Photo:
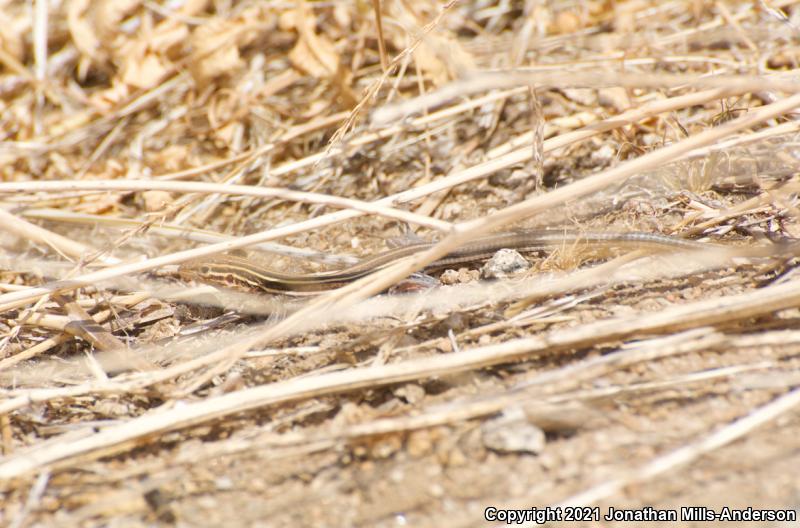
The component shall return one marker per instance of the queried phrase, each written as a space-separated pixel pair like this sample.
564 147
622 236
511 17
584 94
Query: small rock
583 96
512 433
449 277
155 201
604 155
410 392
460 276
616 97
505 263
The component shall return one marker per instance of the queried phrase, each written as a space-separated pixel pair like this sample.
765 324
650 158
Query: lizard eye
205 270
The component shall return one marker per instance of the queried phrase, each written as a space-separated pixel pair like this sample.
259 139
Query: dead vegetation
137 135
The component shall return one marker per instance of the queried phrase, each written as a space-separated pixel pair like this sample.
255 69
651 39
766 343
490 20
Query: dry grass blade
727 310
195 187
176 231
503 80
376 7
62 245
691 452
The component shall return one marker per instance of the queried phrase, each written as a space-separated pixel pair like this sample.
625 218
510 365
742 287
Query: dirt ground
642 375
